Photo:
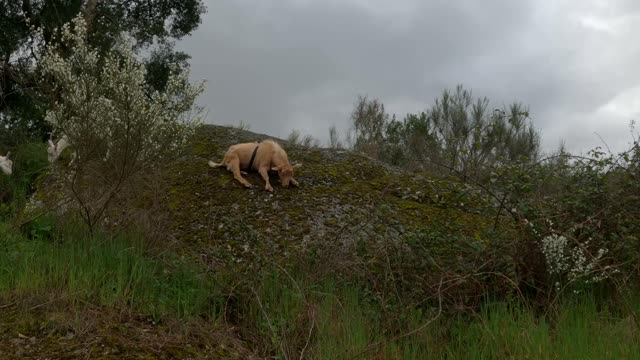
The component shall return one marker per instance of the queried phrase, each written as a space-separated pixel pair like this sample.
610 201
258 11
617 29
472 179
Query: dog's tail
215 165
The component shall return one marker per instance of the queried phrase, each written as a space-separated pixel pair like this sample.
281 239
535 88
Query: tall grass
104 271
333 321
285 315
580 331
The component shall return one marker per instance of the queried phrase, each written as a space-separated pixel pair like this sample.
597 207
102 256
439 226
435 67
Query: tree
161 63
458 134
410 142
147 21
368 120
334 138
473 140
118 128
295 138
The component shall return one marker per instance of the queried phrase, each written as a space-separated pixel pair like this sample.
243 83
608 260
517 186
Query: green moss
212 211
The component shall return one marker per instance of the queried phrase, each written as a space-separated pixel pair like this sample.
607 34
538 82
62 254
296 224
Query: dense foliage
457 134
118 126
364 256
153 24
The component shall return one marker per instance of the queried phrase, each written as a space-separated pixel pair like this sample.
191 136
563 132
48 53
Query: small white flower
572 263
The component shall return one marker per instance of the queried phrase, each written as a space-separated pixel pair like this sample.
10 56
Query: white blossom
106 108
116 123
573 264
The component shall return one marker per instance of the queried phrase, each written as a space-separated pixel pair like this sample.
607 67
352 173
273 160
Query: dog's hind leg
234 167
264 171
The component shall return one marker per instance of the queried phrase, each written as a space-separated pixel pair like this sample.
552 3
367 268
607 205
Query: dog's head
285 173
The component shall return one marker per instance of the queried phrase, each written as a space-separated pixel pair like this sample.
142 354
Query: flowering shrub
117 125
569 265
104 105
554 248
595 196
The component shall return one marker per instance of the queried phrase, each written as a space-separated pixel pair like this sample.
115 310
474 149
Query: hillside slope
390 237
343 197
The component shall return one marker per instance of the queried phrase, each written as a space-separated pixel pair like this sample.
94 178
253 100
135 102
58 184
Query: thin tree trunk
90 11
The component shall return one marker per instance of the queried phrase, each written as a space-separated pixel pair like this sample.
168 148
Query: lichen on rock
342 196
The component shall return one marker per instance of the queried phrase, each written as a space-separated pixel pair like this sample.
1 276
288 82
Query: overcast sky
300 64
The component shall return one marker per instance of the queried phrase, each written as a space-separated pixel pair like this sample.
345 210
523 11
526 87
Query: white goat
54 150
5 164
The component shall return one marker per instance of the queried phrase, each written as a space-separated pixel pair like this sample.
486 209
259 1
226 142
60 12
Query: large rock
343 197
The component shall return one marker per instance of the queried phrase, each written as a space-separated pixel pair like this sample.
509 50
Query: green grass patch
104 271
285 314
579 330
334 320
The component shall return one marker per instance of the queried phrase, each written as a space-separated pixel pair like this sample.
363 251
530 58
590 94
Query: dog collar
253 157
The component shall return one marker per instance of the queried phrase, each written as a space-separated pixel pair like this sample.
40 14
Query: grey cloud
301 64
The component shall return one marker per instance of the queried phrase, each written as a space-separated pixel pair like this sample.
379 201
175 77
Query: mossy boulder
345 201
343 196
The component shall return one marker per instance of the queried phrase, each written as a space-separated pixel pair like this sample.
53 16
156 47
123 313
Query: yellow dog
261 156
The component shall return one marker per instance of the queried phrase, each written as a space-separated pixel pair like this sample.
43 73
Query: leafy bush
572 265
118 125
456 134
411 271
581 211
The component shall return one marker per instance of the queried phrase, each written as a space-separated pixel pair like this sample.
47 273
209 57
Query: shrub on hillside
118 125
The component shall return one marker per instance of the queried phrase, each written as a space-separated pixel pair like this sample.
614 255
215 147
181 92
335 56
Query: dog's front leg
294 182
265 175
